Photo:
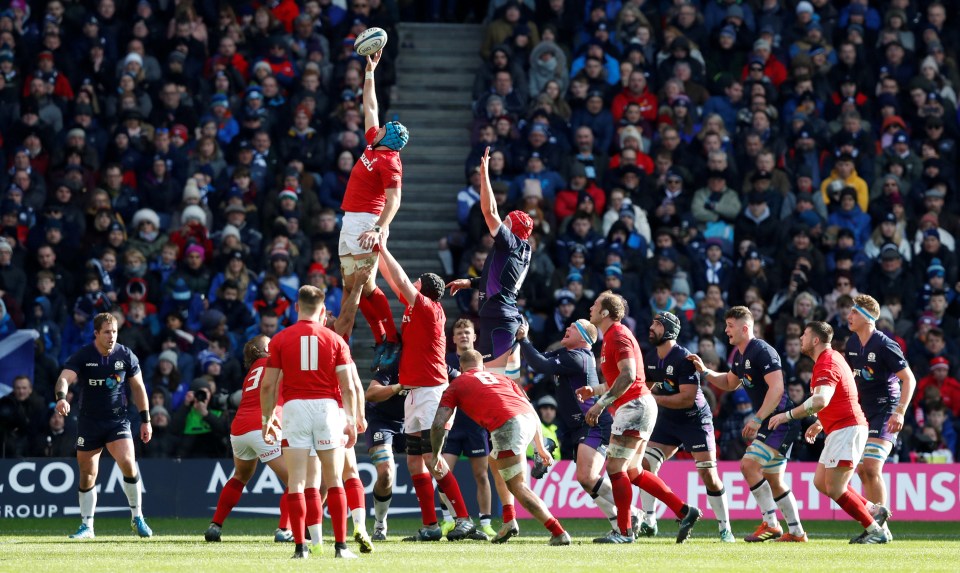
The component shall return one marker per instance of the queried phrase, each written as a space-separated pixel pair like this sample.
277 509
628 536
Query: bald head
470 360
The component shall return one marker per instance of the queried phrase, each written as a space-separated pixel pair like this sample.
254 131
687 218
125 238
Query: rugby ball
369 41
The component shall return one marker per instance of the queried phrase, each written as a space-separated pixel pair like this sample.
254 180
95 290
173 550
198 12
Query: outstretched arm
396 277
488 204
371 110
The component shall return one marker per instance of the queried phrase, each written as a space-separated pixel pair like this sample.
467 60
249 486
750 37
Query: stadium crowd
181 164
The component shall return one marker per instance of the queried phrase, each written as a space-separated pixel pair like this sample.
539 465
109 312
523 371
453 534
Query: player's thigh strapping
250 446
843 447
634 419
313 424
420 407
771 448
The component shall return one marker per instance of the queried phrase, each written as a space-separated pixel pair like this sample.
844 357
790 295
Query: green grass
35 546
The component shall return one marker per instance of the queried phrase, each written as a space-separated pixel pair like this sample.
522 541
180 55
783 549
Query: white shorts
513 437
250 446
636 418
313 424
353 225
420 407
844 447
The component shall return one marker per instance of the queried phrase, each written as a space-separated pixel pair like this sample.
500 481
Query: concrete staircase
435 72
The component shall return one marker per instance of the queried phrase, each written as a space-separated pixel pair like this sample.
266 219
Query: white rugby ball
369 41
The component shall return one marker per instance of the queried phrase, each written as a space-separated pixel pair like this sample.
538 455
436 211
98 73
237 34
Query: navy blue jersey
391 409
751 368
462 423
102 380
672 372
574 369
875 366
503 274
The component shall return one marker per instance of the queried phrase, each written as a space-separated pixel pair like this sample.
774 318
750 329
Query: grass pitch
35 546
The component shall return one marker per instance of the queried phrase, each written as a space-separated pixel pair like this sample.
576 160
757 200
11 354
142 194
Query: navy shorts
782 438
693 430
877 418
382 432
467 439
497 336
596 437
94 434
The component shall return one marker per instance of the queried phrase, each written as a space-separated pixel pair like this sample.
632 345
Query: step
448 80
427 94
443 153
414 115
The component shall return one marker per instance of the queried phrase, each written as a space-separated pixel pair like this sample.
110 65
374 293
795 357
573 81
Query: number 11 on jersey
309 353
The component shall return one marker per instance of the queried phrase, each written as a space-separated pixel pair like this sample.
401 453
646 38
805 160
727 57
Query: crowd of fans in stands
694 155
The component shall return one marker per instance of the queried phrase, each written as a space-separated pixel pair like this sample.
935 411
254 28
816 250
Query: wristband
61 396
758 420
145 417
377 228
264 420
708 373
475 282
368 75
605 401
790 414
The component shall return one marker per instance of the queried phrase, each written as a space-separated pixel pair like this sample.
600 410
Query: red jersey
423 360
309 356
248 418
489 399
376 171
844 408
619 343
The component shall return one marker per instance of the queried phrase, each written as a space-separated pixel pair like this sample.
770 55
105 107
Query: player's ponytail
255 349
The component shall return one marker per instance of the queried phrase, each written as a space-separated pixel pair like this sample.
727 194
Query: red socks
423 485
623 499
451 488
376 309
355 495
652 484
284 512
314 514
855 508
856 494
337 502
554 527
509 513
298 509
229 496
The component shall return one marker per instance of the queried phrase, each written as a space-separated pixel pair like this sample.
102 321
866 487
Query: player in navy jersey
684 420
575 367
756 366
102 371
500 282
467 438
385 402
885 384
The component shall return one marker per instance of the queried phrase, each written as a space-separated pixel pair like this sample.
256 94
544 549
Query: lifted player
756 365
370 202
423 372
103 369
317 390
684 420
885 384
469 439
248 445
575 367
634 417
497 404
834 399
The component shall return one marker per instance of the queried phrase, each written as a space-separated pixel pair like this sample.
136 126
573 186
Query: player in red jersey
248 445
497 404
423 371
836 402
369 203
317 388
634 417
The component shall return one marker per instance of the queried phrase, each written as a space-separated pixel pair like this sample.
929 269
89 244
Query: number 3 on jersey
309 353
255 376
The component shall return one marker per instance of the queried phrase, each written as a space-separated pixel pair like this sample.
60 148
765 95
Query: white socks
88 505
602 495
445 507
788 507
718 503
381 506
131 487
316 534
359 519
768 507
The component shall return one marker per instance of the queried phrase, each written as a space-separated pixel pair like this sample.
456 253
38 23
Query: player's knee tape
348 265
414 445
511 472
874 451
381 455
620 452
706 465
364 262
654 457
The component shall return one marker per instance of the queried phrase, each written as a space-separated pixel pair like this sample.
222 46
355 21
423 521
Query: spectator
23 416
